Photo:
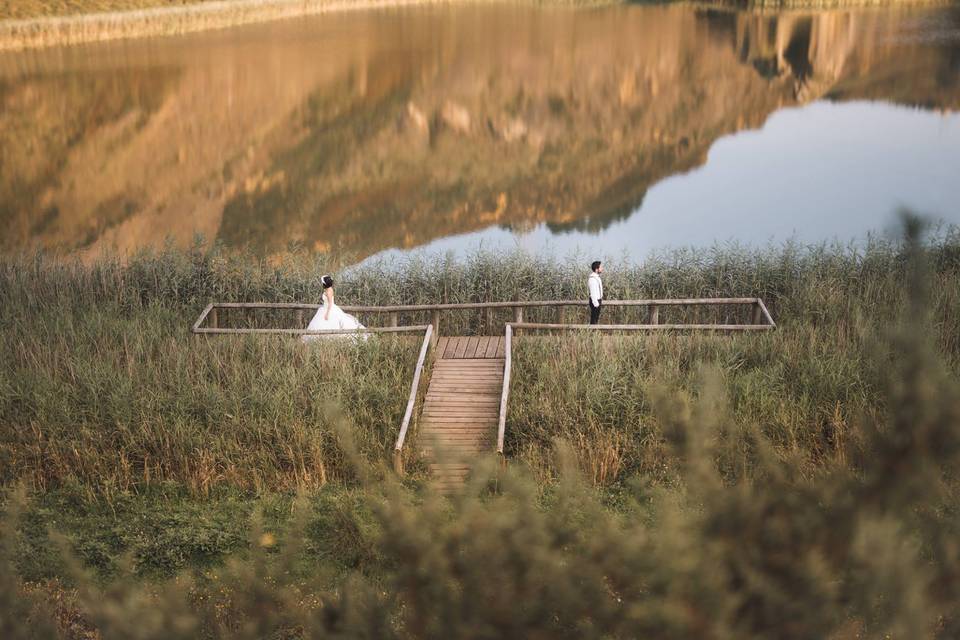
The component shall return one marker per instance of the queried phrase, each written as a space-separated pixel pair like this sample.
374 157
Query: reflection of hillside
391 130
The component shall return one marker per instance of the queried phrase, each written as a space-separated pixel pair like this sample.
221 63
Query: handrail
505 393
766 314
760 312
644 327
503 304
314 332
401 437
203 316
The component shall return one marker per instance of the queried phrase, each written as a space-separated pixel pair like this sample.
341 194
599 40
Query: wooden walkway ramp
460 414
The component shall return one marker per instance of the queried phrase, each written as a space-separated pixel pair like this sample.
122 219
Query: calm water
607 131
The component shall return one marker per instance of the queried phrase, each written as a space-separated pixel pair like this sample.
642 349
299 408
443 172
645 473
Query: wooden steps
462 407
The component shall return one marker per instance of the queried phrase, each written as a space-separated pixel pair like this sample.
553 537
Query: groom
595 286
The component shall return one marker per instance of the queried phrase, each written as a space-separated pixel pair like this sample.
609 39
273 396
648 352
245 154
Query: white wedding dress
339 321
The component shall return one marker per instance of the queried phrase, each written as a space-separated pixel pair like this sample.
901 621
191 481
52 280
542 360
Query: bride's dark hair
326 281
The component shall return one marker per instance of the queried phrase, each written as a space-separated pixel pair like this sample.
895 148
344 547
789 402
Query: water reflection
392 129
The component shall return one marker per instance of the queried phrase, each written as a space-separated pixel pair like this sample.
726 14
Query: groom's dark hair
595 265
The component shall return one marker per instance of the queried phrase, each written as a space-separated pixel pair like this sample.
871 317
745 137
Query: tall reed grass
864 552
102 382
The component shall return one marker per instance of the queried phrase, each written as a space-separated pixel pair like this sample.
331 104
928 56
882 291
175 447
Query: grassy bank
796 484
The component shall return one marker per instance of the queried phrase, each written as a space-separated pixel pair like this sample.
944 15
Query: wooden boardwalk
459 418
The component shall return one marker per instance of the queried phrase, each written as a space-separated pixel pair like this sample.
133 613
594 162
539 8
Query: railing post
757 314
488 320
518 316
398 462
435 321
214 318
505 392
394 319
300 319
654 314
411 401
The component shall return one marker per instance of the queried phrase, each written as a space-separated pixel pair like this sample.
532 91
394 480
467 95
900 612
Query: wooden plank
442 345
481 347
318 332
430 447
468 364
457 426
492 348
501 348
488 305
477 410
494 364
456 386
467 426
450 348
461 347
458 453
479 371
471 350
466 391
644 327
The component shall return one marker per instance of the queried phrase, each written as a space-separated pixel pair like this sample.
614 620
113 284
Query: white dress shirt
595 285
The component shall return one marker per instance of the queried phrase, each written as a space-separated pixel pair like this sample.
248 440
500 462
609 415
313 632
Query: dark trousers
595 311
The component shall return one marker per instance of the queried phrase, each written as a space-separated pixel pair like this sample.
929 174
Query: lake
600 131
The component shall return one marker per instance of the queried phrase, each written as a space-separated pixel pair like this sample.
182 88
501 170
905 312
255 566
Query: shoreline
57 31
60 31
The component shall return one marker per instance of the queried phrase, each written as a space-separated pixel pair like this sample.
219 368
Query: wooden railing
411 401
505 393
760 317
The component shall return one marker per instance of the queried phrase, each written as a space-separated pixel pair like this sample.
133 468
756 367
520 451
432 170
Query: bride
331 317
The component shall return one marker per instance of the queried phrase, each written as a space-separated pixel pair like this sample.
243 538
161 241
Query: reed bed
858 551
102 382
796 484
